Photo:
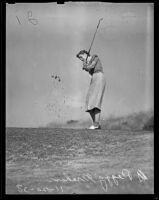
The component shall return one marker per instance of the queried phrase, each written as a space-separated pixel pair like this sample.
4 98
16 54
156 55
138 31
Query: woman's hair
82 52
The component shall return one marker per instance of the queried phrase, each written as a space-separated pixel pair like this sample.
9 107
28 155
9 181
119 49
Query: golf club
93 38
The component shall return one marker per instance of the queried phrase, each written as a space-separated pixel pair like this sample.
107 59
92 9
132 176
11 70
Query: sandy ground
69 161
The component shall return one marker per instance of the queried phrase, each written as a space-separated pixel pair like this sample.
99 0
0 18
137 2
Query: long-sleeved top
94 65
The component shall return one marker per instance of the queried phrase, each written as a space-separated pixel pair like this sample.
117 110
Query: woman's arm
90 66
85 66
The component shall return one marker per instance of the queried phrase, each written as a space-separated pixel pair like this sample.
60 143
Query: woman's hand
85 63
85 66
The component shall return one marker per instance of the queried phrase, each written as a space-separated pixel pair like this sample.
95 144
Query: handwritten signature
104 181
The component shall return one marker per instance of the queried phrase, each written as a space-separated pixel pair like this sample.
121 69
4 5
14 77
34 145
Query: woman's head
82 55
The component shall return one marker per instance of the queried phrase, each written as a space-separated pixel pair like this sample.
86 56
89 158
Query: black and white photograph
79 98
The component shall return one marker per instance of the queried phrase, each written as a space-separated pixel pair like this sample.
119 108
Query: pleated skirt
95 92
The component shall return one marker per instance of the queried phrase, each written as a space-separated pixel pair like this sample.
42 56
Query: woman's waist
98 73
96 70
98 76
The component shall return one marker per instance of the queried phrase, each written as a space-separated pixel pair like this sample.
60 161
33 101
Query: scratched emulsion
67 161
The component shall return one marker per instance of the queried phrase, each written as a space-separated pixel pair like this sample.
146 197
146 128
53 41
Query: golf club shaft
94 37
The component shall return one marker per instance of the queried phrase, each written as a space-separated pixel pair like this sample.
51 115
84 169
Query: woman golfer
94 97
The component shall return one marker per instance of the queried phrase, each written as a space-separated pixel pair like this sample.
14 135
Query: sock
96 124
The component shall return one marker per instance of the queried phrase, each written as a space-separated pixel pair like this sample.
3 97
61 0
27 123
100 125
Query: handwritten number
29 14
61 188
57 188
18 20
104 185
32 20
19 188
142 177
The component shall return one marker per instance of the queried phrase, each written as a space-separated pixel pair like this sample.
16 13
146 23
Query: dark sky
43 39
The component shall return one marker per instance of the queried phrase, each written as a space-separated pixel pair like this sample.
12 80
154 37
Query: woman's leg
91 112
97 114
